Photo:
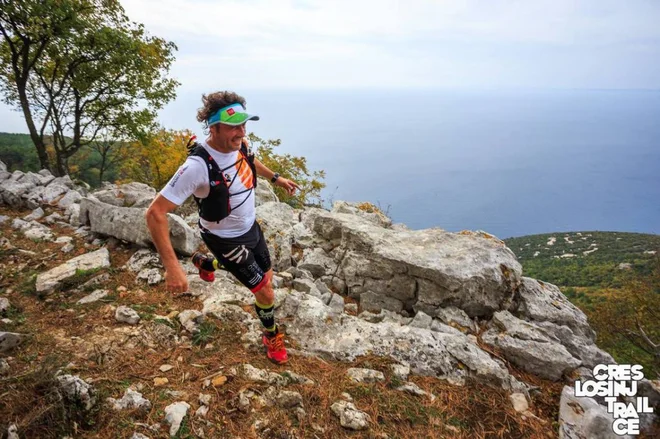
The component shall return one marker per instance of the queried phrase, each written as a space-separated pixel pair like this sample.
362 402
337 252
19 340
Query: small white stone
4 304
362 375
519 402
349 416
205 399
12 432
202 411
35 215
400 371
127 315
174 414
96 295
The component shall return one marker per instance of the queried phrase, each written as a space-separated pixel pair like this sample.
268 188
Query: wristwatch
275 177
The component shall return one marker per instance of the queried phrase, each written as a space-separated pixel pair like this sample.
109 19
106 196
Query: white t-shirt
192 178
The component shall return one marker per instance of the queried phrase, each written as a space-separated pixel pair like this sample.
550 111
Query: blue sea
511 163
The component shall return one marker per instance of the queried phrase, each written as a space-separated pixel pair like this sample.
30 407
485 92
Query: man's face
229 136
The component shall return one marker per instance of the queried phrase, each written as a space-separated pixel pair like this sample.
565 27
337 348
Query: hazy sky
251 44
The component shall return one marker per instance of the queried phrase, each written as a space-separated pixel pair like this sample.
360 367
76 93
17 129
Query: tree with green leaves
293 168
628 322
80 69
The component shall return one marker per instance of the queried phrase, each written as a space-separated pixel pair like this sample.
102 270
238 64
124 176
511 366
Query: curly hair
215 101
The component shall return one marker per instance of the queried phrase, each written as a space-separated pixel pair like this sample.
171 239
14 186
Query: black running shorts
246 256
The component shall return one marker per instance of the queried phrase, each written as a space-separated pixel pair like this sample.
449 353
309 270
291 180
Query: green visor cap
233 115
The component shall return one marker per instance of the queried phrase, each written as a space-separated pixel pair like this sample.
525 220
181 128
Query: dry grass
59 329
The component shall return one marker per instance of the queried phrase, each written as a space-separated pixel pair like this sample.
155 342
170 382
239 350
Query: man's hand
176 280
288 185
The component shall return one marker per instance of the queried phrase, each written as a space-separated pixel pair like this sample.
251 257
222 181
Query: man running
221 175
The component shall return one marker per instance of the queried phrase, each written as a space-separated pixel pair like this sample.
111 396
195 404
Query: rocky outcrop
426 269
128 224
31 190
277 220
126 195
427 352
449 305
264 192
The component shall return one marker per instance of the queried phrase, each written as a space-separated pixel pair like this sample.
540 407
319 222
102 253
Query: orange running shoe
275 349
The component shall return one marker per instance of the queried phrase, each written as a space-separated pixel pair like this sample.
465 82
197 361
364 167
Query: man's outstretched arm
156 216
288 185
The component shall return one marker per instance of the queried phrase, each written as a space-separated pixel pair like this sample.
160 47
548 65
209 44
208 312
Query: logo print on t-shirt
178 174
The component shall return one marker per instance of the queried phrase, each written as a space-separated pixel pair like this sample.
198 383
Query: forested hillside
613 277
585 259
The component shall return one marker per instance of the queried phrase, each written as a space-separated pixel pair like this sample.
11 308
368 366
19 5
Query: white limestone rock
54 218
432 268
317 262
49 280
151 275
73 214
547 359
256 375
174 414
456 317
77 390
264 192
4 366
362 375
422 321
36 214
437 326
4 305
414 389
143 258
63 240
374 302
132 194
131 400
427 352
12 432
519 402
129 224
71 197
277 221
128 315
581 417
288 399
544 302
401 371
9 340
95 296
367 212
190 319
349 416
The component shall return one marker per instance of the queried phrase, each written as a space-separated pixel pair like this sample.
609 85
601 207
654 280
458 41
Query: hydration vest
216 206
